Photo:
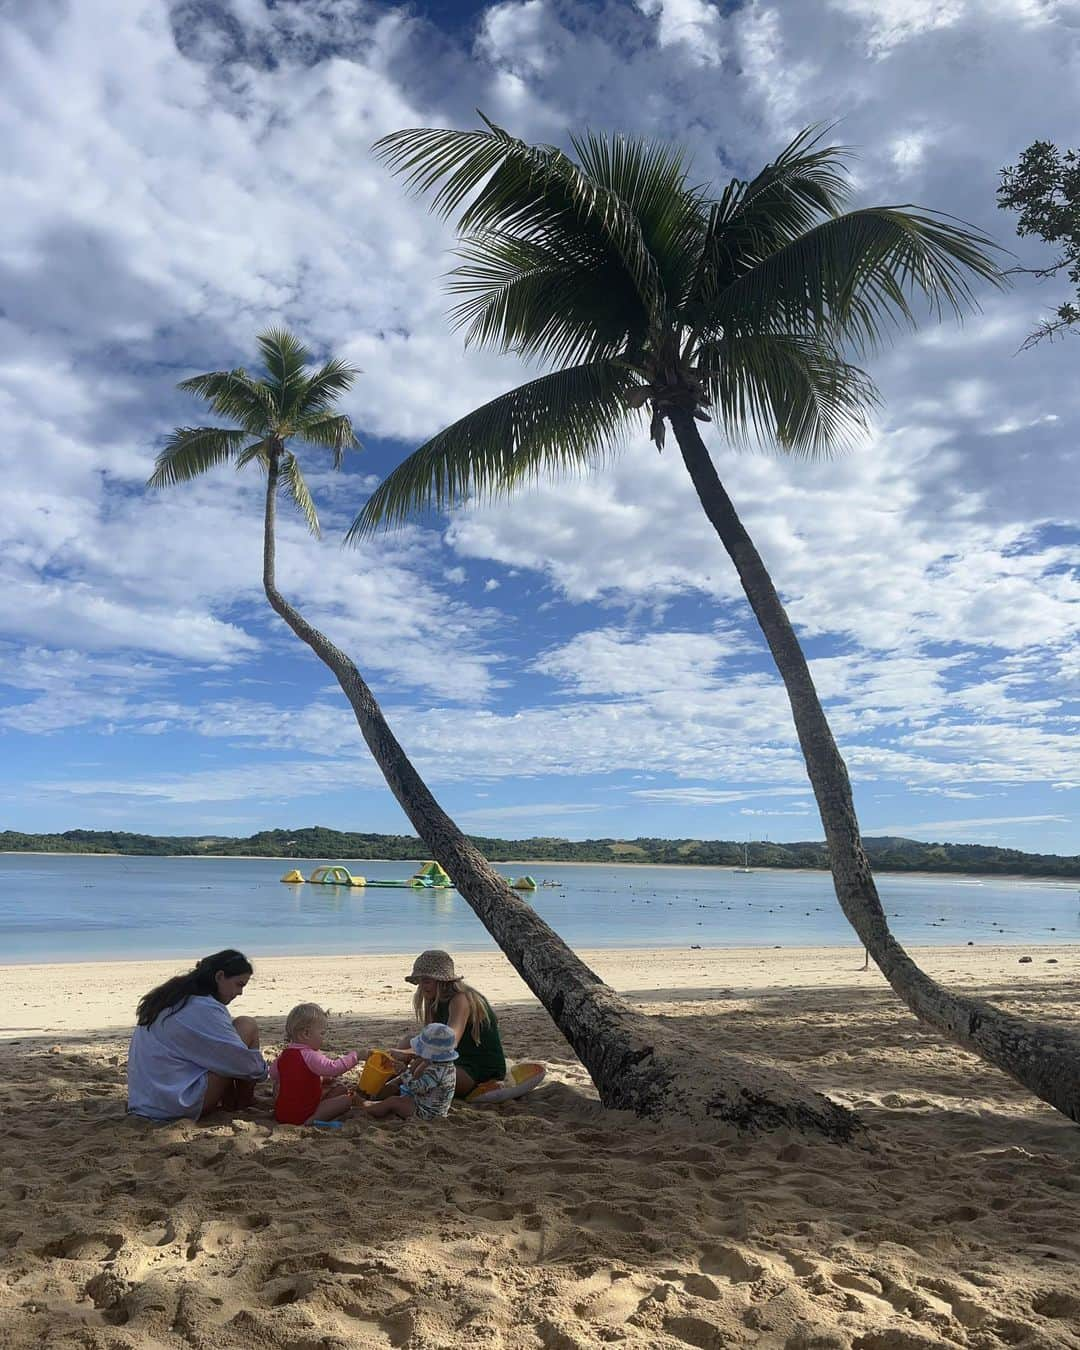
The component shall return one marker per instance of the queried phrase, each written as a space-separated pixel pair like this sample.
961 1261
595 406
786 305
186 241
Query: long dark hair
173 994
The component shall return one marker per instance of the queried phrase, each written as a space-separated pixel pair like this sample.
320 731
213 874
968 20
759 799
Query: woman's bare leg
214 1096
232 1094
465 1084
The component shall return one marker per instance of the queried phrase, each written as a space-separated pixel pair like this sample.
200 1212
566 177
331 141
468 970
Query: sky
577 661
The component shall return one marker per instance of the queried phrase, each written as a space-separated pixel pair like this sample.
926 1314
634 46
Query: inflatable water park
429 877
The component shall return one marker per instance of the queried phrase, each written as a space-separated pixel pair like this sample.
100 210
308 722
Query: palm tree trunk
634 1065
1043 1058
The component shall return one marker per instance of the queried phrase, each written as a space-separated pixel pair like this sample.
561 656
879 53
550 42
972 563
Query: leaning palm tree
653 299
634 1063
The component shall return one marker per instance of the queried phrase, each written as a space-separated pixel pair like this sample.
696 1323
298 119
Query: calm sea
72 908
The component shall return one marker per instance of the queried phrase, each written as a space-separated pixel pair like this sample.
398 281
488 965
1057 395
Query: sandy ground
548 1222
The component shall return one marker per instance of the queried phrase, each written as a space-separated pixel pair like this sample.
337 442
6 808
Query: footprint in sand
968 1311
216 1236
607 1297
1057 1303
597 1214
500 1210
84 1247
730 1263
697 1332
159 1230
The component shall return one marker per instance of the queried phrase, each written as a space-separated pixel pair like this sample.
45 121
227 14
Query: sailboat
745 860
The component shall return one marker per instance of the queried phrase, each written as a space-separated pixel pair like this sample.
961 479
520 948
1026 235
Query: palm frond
322 389
190 451
558 422
798 391
332 431
649 177
285 358
854 274
803 183
292 481
515 188
564 305
752 219
233 393
259 450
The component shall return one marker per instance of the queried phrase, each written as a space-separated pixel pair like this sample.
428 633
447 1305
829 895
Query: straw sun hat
436 1044
432 965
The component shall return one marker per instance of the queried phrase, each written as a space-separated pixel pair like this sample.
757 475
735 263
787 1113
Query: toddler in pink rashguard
304 1076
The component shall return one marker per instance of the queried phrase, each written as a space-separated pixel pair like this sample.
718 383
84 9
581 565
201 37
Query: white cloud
693 25
696 796
931 574
958 827
618 662
531 814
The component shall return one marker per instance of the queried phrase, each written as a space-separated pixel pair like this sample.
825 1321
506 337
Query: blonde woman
443 996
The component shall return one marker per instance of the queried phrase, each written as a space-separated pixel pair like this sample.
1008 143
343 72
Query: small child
428 1093
299 1071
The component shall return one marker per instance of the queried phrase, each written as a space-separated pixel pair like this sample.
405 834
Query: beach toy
522 1078
378 1069
328 1124
525 883
293 876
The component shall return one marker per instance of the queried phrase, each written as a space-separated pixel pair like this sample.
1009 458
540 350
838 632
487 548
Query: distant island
887 854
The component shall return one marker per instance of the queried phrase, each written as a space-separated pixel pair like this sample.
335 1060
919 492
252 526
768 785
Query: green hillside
888 854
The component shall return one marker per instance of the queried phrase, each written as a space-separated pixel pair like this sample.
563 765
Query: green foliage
1044 187
738 306
317 842
287 404
569 418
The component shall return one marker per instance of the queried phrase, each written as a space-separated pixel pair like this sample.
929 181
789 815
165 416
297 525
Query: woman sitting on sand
188 1056
443 996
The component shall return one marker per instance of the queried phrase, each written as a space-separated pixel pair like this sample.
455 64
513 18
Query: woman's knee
248 1031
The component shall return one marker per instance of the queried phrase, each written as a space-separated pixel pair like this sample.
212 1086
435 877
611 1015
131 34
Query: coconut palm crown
289 403
649 295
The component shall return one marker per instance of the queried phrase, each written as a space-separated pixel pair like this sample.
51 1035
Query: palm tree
651 298
632 1061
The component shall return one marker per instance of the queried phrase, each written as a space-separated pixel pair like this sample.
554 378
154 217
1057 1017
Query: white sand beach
547 1222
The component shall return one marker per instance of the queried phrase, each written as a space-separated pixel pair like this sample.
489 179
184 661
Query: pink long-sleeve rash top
318 1063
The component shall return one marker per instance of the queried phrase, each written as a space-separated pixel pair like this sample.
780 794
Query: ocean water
81 907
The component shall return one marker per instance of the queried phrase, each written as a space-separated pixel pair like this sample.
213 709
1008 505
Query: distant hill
888 854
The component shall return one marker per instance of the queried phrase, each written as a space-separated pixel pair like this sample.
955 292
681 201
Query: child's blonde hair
304 1017
445 990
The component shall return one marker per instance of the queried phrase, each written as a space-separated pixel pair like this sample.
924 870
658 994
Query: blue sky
577 661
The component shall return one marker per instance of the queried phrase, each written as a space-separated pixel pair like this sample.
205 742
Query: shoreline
50 1000
1065 882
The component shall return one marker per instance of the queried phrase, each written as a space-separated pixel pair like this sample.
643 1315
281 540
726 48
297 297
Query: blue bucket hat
436 1043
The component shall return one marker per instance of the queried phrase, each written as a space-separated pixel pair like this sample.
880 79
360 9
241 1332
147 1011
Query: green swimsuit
484 1059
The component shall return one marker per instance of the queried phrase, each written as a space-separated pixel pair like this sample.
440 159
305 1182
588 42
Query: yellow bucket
378 1069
